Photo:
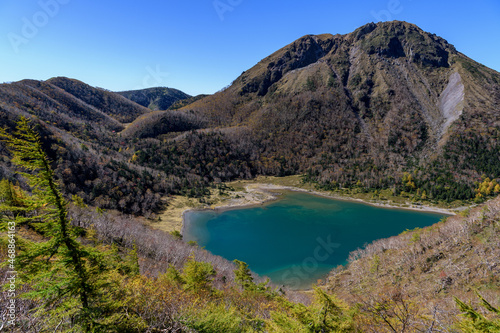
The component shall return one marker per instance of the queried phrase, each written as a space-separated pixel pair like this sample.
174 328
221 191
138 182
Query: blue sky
201 46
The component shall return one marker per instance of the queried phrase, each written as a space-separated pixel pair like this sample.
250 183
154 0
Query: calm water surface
298 239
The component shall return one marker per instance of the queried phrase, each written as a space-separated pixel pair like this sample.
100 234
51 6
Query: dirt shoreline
260 193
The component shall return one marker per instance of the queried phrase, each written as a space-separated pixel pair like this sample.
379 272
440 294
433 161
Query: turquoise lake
298 238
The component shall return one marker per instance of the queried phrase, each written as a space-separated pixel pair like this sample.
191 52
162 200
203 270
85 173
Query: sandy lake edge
261 193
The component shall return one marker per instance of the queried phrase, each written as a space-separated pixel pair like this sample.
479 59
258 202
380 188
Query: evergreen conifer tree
77 286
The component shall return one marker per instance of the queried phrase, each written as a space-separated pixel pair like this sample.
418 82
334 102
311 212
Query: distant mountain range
155 98
364 109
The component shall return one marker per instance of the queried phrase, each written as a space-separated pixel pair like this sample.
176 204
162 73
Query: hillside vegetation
107 272
155 98
366 107
385 111
110 103
421 271
387 107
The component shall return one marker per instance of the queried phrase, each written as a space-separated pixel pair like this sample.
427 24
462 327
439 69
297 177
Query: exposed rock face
451 102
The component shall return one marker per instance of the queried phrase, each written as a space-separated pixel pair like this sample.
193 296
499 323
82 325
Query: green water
298 239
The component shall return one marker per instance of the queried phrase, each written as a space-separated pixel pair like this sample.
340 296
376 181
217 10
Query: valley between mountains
388 114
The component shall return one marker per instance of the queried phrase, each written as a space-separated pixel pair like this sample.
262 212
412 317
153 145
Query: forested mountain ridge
79 125
368 106
113 104
144 280
53 105
159 98
387 106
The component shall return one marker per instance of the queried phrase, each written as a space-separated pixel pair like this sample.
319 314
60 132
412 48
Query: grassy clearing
171 218
293 181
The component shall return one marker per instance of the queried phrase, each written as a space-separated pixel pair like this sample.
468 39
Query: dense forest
85 270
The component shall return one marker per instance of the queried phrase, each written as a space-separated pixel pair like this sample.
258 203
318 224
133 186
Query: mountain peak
395 87
402 39
394 39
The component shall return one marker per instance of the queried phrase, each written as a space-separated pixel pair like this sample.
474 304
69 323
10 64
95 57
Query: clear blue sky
198 48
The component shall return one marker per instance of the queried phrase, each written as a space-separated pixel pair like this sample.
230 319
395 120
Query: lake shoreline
270 191
340 222
250 198
262 193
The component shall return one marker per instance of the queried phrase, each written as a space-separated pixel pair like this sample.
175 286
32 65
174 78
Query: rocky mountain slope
367 106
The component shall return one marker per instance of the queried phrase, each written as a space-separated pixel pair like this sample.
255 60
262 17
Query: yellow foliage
411 184
424 195
487 188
